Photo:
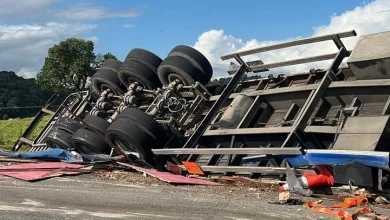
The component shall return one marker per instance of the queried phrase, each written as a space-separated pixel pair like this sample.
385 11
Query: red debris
172 178
33 172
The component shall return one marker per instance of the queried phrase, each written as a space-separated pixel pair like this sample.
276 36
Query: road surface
83 198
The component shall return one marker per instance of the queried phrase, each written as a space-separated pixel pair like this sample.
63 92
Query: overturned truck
154 110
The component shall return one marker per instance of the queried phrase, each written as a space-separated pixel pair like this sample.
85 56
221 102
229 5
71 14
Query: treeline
67 68
17 93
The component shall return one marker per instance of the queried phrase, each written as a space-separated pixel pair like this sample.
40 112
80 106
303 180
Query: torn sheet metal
332 157
34 172
295 184
171 178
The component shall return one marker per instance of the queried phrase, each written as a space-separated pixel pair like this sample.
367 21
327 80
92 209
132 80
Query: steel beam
235 169
321 129
290 44
360 83
249 151
386 108
24 138
293 62
272 91
248 131
202 127
333 85
311 103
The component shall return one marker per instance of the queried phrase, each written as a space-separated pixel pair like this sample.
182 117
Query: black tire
111 64
195 57
67 124
88 142
146 122
149 59
132 70
94 96
129 137
106 79
58 138
97 123
175 67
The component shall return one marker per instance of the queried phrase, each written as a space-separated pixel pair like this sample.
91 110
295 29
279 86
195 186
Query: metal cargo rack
74 104
332 109
222 150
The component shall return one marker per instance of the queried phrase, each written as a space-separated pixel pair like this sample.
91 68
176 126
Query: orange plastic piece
319 180
340 214
192 168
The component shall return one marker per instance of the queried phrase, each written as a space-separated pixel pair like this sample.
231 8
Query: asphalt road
82 198
77 198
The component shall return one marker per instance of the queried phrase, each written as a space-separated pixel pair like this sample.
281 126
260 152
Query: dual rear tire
186 64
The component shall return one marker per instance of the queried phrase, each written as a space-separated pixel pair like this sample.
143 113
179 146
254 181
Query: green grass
11 130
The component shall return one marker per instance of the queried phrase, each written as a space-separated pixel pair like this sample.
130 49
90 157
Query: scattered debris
381 200
362 192
294 184
339 209
171 178
319 201
284 196
39 171
174 168
193 168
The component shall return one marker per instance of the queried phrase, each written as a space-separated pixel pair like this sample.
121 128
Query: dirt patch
124 177
238 188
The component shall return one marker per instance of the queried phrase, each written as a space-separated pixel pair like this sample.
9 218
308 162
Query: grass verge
11 130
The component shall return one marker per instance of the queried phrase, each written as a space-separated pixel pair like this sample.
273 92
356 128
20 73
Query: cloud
84 12
11 8
95 39
370 18
24 47
128 26
41 10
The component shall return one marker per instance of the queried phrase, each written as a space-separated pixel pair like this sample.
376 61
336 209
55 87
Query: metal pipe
263 67
249 151
290 44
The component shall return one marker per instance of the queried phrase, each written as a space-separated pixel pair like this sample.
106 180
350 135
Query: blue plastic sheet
373 160
53 154
331 157
60 155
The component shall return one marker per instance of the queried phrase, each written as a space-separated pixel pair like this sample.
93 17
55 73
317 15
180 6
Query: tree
68 65
109 56
100 58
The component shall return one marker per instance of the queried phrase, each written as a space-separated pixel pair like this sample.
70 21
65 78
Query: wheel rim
133 80
53 143
106 86
124 145
173 76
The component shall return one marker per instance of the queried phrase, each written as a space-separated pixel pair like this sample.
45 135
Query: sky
215 28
